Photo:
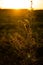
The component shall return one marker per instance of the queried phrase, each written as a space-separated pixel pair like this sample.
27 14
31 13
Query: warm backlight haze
21 4
15 4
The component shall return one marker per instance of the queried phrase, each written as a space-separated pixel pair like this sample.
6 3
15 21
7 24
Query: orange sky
37 4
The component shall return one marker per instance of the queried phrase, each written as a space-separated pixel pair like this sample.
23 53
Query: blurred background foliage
21 37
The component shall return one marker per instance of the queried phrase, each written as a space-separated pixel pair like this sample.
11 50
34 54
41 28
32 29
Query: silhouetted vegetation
21 37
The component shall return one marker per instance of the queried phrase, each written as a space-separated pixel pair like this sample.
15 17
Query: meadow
21 37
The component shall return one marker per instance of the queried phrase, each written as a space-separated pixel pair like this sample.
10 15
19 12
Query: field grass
21 37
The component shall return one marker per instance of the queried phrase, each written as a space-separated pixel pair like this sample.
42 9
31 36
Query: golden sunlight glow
16 4
21 4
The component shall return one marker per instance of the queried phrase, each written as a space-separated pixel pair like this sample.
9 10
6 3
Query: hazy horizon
26 4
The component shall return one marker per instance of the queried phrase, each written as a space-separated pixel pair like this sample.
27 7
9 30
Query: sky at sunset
37 4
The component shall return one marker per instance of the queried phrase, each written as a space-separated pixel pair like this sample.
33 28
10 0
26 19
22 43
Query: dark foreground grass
21 43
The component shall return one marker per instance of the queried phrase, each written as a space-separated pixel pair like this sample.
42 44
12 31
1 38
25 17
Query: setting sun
16 4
